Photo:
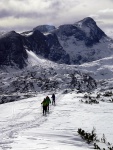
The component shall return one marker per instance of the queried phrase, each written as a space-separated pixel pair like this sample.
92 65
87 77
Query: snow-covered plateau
22 125
83 100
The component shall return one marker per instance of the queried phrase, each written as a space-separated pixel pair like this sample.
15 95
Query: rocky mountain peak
93 34
87 21
75 43
12 50
45 28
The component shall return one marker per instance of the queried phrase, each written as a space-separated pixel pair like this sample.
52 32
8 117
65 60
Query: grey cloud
28 15
56 12
20 14
55 4
63 5
22 0
107 26
17 28
61 9
99 21
106 16
4 13
55 8
17 13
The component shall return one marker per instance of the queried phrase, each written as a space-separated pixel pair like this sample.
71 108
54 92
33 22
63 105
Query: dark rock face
70 30
11 50
46 46
95 33
37 43
57 53
85 30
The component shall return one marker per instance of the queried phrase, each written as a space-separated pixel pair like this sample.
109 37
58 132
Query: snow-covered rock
84 41
44 28
43 77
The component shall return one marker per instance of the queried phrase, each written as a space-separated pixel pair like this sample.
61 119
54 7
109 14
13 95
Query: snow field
24 127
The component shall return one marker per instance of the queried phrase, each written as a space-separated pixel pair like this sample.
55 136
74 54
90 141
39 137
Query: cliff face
46 45
12 51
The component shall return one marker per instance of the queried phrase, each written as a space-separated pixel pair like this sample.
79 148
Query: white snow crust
23 126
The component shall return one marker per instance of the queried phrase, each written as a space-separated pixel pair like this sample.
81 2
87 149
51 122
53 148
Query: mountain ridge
76 43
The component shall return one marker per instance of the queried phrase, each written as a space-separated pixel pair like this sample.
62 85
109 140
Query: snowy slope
35 60
41 75
100 69
44 75
77 49
23 126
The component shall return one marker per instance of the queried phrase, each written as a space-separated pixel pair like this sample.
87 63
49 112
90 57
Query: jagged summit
45 28
12 50
8 34
66 30
12 32
91 30
87 20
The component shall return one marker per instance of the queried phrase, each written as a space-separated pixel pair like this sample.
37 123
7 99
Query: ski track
27 129
13 126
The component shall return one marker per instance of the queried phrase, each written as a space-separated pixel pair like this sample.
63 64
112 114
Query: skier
48 101
44 104
53 99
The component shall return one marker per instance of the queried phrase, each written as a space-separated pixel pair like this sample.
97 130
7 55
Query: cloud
108 10
109 33
42 11
24 14
29 8
106 14
104 18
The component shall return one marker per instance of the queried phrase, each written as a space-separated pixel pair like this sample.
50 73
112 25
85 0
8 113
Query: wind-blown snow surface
22 125
100 69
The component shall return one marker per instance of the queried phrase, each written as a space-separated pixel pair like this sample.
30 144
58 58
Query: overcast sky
22 15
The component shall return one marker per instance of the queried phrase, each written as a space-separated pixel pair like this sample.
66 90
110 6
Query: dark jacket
53 96
48 100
